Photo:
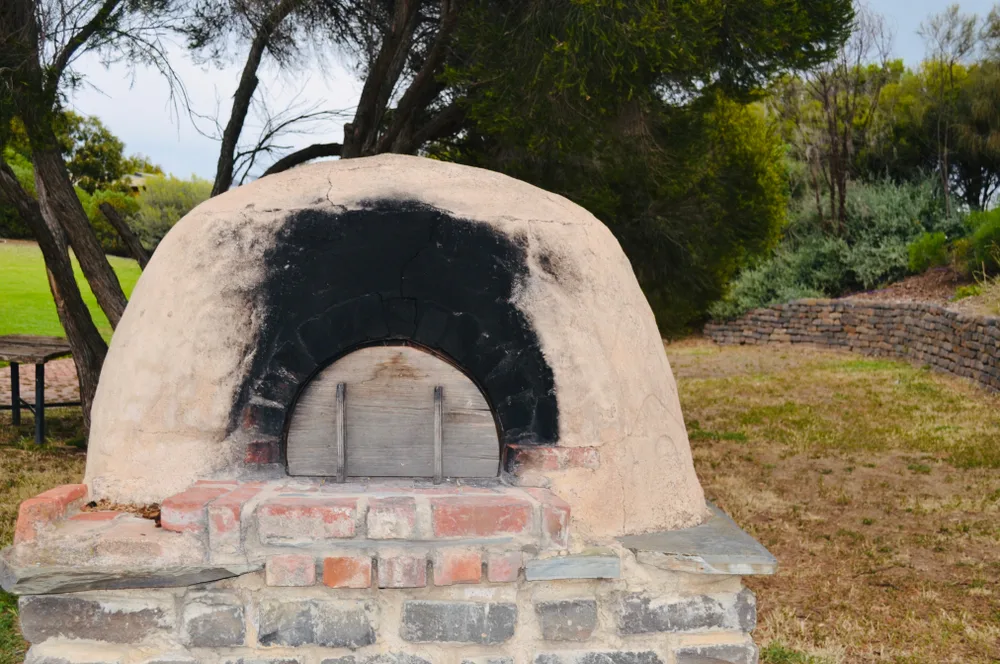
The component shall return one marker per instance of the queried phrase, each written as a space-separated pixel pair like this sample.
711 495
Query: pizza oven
385 411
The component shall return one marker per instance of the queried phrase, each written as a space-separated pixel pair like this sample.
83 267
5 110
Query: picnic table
18 349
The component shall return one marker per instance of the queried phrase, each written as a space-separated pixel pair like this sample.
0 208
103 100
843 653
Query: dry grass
873 482
26 471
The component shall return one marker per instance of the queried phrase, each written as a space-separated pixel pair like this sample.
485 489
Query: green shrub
163 201
772 282
11 225
882 220
818 257
927 251
961 256
969 290
985 241
821 264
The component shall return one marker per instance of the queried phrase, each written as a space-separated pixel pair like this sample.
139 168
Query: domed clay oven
396 411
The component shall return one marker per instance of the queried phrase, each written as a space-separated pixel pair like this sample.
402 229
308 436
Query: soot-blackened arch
397 271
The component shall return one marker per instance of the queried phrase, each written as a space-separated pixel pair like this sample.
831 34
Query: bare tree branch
314 151
99 21
132 243
445 123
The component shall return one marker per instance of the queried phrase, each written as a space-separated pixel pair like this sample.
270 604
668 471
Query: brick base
358 574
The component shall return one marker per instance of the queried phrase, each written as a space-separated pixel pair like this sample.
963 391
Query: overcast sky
138 109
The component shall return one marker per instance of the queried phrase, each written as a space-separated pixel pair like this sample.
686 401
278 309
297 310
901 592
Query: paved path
60 382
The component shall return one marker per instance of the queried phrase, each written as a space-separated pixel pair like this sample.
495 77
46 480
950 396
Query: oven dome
256 292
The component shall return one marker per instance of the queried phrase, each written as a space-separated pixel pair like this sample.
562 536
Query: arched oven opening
392 409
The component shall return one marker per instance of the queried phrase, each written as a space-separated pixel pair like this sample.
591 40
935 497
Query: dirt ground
875 484
936 286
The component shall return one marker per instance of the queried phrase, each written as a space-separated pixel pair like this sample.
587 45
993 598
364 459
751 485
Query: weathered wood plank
389 418
27 349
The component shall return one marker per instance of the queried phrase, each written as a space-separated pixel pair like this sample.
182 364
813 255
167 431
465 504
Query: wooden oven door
388 421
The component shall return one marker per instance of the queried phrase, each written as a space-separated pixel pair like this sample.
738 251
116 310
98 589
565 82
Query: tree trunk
61 207
35 101
945 177
244 95
813 166
834 226
128 237
88 347
314 151
361 134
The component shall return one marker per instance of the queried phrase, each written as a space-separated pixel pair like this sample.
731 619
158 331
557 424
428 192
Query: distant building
137 181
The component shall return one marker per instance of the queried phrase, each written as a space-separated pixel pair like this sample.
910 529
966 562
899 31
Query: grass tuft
776 653
12 646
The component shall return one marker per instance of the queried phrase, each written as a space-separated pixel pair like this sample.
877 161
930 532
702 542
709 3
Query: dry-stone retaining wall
959 344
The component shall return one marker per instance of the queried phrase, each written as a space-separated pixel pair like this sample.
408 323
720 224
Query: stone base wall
675 618
304 572
967 346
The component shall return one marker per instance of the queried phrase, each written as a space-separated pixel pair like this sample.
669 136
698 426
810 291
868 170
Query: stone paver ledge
45 580
717 546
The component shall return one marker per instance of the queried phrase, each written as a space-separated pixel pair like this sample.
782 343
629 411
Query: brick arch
396 272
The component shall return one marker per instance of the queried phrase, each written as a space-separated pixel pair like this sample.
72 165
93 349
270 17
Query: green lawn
26 305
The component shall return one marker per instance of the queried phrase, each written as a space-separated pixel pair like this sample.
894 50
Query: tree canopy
642 111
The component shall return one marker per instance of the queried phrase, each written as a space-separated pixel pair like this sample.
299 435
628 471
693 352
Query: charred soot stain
397 271
547 263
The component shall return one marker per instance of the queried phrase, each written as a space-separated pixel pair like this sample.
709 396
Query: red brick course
290 570
294 518
187 512
262 452
480 516
555 517
504 567
453 566
402 571
52 505
392 518
347 572
459 528
224 518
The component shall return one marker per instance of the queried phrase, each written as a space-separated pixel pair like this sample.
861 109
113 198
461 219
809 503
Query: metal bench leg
39 404
15 394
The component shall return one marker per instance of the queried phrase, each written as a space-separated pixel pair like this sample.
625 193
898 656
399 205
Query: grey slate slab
45 580
581 566
717 546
